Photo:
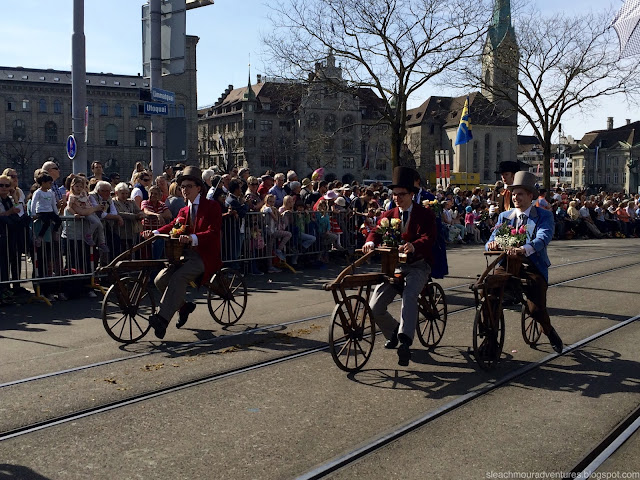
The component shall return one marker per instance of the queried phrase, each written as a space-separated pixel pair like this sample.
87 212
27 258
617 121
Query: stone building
35 108
608 158
282 125
434 124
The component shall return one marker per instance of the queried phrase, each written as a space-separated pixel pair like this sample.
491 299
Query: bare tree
567 63
391 46
19 154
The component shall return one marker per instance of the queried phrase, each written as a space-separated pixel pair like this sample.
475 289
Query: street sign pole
78 87
157 123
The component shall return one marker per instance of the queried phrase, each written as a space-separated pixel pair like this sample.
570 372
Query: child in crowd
80 206
469 224
43 207
274 230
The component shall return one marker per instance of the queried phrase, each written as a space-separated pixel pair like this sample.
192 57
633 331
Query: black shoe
555 340
184 312
404 355
393 341
159 325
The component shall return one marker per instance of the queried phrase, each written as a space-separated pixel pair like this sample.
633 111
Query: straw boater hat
191 173
404 177
526 180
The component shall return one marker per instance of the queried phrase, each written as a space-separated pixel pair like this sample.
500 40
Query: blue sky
37 34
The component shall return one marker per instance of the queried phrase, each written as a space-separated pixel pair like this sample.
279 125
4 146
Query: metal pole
466 166
78 87
157 132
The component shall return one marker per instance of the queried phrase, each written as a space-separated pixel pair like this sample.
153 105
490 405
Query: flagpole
466 166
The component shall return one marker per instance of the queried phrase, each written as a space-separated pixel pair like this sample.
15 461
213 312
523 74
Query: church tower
500 61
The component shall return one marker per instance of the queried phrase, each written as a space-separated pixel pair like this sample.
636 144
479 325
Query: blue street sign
164 96
152 108
72 147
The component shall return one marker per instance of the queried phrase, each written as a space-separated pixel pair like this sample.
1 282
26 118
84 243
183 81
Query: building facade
279 125
608 158
35 108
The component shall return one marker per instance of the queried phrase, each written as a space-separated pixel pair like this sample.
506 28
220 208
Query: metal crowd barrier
67 255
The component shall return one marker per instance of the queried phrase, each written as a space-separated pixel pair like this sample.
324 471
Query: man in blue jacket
535 266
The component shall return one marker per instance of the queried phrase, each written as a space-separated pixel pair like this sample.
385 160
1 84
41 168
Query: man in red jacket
419 234
203 218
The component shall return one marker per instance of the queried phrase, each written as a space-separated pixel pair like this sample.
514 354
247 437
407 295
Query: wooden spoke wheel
126 309
227 296
351 333
488 339
531 330
432 315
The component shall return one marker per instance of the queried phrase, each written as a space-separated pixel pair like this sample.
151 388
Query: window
266 160
50 132
249 124
104 109
285 126
347 144
249 107
111 135
381 164
432 129
11 106
172 110
475 154
181 111
266 125
42 106
134 110
57 106
348 162
330 123
90 106
117 110
26 105
615 178
328 144
347 124
19 131
266 106
250 141
312 121
141 136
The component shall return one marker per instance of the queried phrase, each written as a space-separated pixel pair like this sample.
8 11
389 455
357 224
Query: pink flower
522 229
513 231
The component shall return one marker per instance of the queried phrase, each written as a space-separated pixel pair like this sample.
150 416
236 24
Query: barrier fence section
79 245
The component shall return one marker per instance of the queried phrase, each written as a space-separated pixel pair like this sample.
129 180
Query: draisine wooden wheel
126 309
351 333
227 296
432 315
488 339
531 330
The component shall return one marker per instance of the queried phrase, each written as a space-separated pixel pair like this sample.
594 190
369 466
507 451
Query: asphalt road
282 420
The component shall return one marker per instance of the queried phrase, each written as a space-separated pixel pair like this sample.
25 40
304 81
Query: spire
249 94
501 22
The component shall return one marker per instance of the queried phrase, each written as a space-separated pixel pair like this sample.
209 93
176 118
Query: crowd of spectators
269 221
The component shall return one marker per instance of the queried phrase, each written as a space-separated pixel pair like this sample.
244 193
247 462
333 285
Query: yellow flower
384 222
395 223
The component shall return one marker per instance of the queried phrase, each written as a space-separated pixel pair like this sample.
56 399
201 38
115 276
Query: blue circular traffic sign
72 147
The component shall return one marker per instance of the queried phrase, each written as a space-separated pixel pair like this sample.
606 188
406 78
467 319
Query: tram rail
72 416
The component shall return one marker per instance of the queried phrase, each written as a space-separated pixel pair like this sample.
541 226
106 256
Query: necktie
523 220
193 214
405 218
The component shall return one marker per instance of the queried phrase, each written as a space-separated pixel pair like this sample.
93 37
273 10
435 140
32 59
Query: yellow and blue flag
464 130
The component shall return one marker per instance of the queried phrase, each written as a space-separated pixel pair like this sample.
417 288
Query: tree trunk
546 155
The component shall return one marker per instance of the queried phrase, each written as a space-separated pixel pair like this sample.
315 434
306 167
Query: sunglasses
5 185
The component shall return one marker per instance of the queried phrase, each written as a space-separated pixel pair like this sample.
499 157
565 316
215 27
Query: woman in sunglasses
141 186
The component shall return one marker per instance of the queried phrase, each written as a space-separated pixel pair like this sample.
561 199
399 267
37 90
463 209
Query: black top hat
404 177
191 173
508 166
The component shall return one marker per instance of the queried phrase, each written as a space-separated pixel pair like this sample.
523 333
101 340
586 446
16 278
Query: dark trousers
536 292
47 219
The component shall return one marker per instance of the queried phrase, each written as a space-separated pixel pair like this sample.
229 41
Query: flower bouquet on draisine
390 231
434 205
177 230
507 236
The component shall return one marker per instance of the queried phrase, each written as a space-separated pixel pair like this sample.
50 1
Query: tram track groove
6 435
266 328
357 454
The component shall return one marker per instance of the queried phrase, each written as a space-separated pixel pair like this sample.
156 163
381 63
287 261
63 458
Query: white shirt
528 248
